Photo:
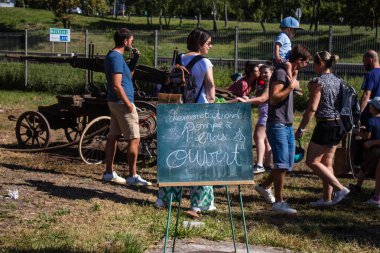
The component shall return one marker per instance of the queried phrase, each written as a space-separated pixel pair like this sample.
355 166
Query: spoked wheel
74 131
93 140
147 119
148 151
32 130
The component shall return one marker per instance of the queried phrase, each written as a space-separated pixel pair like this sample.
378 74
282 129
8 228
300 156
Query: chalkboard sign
204 144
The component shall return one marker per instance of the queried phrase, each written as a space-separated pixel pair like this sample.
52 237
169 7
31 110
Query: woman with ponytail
325 102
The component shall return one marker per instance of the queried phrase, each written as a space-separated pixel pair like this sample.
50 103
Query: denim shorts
281 139
263 114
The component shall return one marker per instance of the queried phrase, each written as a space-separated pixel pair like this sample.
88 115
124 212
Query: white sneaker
114 178
199 209
137 180
257 169
340 195
283 207
321 202
159 203
265 193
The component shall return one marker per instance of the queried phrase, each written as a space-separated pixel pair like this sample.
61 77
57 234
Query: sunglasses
208 43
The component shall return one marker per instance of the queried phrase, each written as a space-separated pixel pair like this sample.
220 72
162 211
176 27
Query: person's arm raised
279 92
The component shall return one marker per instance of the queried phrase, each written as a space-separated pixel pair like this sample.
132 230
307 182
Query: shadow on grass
72 192
85 192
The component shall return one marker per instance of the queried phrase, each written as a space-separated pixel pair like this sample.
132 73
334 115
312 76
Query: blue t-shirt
115 63
374 128
371 83
286 45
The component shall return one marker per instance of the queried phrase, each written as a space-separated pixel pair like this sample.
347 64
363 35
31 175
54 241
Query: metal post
86 53
330 39
243 216
230 214
66 47
52 46
168 221
176 223
236 49
26 61
155 48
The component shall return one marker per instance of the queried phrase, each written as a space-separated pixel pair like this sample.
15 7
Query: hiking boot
265 193
283 207
137 180
340 195
257 169
321 202
372 201
354 188
114 178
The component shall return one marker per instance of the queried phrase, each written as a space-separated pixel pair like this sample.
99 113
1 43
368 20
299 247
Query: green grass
74 222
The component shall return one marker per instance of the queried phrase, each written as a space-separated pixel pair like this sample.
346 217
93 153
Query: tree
62 9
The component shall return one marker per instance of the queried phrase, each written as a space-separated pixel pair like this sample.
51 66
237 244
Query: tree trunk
214 16
160 19
199 19
263 26
313 16
225 14
317 16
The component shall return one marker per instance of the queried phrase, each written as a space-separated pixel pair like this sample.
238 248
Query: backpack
180 81
350 113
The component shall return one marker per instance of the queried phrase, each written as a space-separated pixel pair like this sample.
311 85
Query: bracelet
302 130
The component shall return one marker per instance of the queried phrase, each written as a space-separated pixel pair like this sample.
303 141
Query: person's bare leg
327 160
132 153
268 153
259 137
267 183
110 151
278 182
313 160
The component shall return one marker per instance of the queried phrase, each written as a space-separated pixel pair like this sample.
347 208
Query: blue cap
375 102
290 22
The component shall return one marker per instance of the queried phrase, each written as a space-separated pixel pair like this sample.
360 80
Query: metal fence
230 50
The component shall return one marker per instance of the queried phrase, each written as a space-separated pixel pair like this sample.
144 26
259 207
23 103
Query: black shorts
327 133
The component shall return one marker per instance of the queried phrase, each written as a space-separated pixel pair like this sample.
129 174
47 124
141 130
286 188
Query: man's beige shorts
124 122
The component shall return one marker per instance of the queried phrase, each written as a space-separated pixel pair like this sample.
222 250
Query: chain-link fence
230 50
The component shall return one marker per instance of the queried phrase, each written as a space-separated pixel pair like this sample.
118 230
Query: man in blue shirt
124 117
371 84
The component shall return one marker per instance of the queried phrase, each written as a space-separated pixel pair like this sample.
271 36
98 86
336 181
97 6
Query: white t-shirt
198 71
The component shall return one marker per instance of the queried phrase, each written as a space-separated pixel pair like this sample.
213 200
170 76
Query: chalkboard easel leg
230 214
245 226
168 221
176 223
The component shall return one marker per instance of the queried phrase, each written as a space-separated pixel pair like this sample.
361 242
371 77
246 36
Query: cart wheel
32 130
148 151
93 140
74 132
147 119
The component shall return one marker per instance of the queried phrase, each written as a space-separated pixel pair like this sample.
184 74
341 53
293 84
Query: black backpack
180 81
350 113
